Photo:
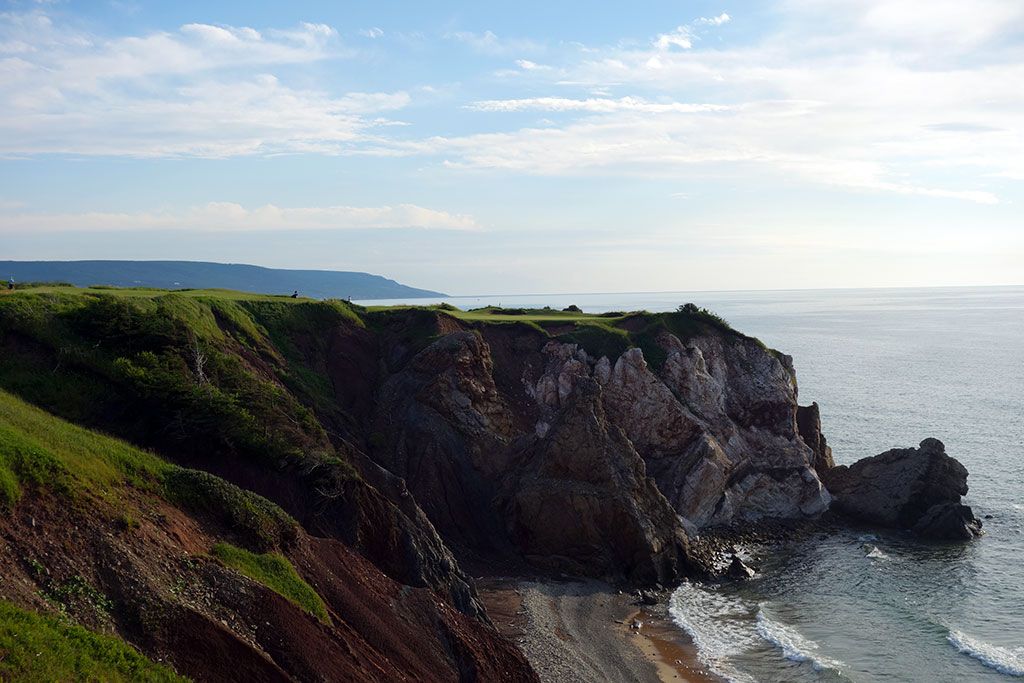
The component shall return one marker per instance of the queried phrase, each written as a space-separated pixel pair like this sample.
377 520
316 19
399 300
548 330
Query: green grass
276 573
132 354
37 449
37 648
43 451
495 314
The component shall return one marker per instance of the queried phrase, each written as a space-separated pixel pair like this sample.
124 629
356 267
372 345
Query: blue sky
526 147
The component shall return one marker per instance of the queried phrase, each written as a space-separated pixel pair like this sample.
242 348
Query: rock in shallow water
738 570
908 488
948 521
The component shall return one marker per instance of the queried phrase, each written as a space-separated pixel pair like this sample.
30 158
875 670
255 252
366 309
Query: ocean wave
1009 661
795 647
718 624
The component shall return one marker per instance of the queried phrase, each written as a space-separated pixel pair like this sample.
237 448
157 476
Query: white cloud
593 104
722 18
682 37
203 90
816 103
373 32
228 216
527 65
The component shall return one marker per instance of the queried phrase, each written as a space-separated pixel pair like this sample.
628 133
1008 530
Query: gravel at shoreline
581 632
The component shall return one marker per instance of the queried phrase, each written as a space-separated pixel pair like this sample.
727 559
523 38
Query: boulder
948 521
907 488
738 570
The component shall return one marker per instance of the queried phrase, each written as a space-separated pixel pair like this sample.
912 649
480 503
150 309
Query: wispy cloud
228 216
203 90
593 104
823 105
488 42
684 36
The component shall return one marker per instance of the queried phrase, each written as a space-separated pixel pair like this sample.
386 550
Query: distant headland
318 284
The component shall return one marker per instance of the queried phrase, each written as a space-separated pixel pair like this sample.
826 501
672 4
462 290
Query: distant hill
320 284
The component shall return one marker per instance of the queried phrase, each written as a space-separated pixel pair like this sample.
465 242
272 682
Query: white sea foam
795 647
1009 661
719 625
876 553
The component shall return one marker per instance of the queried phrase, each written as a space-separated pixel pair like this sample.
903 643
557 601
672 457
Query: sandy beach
581 632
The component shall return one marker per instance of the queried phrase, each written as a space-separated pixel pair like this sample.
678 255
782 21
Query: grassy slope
40 451
44 648
275 572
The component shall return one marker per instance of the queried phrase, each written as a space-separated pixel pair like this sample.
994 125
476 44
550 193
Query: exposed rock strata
907 488
716 427
582 502
474 421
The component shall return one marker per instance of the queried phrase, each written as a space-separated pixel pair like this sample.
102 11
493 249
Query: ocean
888 367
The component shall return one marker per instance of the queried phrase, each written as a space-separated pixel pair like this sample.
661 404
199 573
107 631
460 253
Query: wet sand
581 632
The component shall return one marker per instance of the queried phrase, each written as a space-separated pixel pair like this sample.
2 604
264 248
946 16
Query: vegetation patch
76 591
260 523
276 573
38 449
598 340
36 648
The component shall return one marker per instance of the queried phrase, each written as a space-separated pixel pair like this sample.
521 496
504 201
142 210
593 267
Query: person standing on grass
10 282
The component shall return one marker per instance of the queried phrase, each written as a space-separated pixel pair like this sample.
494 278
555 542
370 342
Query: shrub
258 522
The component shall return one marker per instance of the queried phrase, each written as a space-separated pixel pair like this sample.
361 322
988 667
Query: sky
523 147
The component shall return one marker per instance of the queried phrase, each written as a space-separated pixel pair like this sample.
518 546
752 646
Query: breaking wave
718 624
794 646
1009 661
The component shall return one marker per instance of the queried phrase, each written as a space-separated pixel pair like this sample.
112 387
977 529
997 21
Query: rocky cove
430 453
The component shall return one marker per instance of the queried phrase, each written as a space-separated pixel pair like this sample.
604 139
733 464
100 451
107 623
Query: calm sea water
889 367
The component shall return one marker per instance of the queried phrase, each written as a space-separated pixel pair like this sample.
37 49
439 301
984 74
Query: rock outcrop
907 488
580 500
716 425
808 422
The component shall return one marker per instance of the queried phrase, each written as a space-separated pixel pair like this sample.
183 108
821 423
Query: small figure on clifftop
295 294
10 282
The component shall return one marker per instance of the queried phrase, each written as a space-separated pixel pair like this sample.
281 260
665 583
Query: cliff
401 444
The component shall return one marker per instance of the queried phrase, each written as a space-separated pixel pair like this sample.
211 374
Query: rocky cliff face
716 425
586 453
580 499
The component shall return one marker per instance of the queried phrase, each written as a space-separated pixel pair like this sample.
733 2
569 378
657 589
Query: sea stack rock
907 488
808 422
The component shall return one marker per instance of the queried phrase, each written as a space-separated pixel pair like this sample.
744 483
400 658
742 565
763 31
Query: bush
257 521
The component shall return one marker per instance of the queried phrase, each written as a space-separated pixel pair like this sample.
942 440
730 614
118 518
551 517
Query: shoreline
589 631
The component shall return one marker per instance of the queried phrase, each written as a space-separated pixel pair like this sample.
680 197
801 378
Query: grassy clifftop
137 430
